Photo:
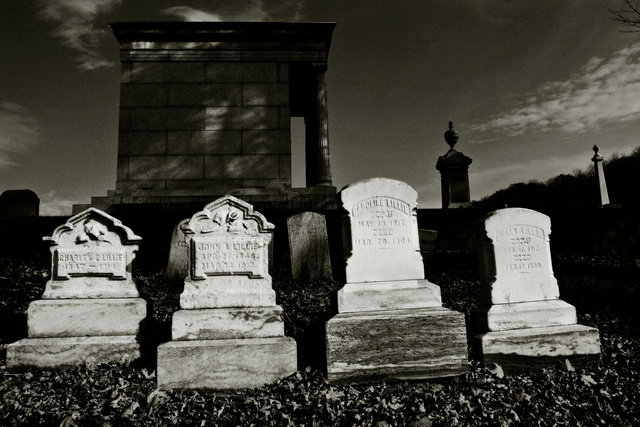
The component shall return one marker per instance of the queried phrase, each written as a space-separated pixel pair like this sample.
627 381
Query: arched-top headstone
380 231
91 257
515 257
19 203
309 247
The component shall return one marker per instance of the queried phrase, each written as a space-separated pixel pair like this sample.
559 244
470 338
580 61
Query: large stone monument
522 323
229 332
205 111
90 310
454 174
390 323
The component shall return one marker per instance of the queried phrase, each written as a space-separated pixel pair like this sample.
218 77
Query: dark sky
531 86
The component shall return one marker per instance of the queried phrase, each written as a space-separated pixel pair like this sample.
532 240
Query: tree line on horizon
578 189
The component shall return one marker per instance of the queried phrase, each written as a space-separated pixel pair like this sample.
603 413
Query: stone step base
47 353
399 295
523 315
57 318
396 345
524 350
225 364
227 323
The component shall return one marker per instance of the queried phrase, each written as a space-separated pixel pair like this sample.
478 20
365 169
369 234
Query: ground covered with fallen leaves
603 287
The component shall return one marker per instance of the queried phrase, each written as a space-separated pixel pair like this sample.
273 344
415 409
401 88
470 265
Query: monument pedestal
225 364
522 350
396 345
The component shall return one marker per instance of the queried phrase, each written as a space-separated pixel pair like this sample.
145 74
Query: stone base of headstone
227 323
523 350
49 318
396 345
227 291
49 353
522 315
225 364
397 295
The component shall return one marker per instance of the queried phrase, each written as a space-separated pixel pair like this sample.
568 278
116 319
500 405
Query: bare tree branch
629 16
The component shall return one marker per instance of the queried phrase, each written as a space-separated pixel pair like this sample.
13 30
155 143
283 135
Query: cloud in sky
77 27
606 90
190 14
52 204
19 131
252 10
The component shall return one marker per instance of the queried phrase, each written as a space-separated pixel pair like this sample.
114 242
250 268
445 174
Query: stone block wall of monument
196 125
205 111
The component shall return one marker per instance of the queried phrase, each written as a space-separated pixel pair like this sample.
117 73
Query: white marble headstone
228 245
515 258
380 231
91 257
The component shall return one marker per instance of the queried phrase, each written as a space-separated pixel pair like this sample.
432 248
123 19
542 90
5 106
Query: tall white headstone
391 324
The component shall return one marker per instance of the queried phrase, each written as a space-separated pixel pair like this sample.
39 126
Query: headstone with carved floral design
229 332
90 310
522 323
391 323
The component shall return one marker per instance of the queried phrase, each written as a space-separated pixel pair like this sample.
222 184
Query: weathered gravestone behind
178 262
522 323
90 310
19 204
391 324
229 331
309 247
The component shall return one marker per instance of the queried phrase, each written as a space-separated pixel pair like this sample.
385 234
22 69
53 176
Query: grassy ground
603 287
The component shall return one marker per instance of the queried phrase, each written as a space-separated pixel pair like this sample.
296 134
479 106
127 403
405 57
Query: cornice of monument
292 41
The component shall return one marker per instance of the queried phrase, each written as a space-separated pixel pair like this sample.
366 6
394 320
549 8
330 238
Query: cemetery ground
603 286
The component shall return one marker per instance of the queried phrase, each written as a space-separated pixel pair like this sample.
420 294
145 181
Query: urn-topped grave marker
91 310
229 331
522 322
